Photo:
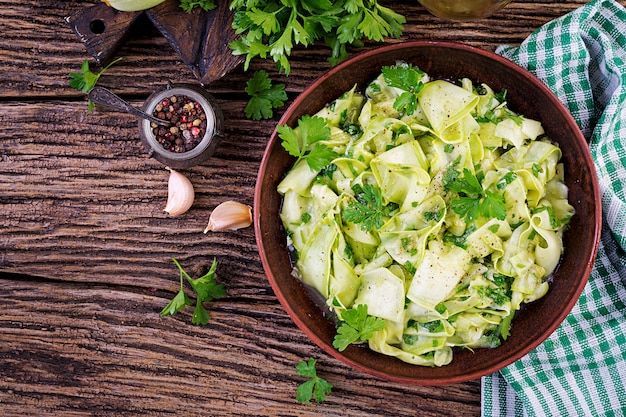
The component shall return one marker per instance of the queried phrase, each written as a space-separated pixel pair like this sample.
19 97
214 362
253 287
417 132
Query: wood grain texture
83 226
83 352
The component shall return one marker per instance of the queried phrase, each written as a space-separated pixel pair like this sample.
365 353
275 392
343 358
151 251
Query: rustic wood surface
85 247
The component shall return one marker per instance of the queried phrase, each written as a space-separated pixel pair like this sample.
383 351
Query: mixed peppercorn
188 123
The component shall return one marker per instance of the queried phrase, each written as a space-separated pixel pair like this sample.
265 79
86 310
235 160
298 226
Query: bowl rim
428 381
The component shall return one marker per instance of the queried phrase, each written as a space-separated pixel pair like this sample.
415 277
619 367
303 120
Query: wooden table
86 249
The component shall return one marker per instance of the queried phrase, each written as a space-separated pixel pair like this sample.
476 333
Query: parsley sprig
473 202
315 387
85 80
189 5
264 96
368 208
303 144
271 28
206 289
407 78
357 326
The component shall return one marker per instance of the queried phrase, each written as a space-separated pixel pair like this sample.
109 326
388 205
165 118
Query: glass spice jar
195 130
462 10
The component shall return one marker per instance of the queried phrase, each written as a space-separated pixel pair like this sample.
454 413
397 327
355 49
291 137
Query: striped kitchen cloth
580 370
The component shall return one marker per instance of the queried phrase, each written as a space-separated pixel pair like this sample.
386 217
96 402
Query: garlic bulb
180 194
229 215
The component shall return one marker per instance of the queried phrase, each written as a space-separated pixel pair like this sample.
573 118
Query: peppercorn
188 123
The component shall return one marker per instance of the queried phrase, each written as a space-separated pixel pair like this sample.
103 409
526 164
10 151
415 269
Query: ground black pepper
188 123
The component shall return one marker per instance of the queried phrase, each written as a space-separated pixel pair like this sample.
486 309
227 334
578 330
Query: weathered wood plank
84 181
36 37
83 352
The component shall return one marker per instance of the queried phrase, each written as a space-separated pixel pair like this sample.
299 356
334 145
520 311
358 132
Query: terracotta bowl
528 96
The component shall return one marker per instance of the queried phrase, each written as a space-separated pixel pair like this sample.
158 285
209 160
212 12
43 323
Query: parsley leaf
315 387
177 303
468 184
368 208
493 206
264 96
356 327
472 201
85 80
206 290
303 143
320 156
407 78
189 5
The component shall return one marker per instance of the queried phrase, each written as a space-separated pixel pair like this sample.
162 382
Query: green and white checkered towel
580 370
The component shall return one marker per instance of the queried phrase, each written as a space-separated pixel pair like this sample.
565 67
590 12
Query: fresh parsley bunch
271 28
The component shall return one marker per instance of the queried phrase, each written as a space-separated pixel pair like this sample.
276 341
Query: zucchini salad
425 212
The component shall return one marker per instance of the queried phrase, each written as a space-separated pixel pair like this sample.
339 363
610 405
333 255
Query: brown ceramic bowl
526 95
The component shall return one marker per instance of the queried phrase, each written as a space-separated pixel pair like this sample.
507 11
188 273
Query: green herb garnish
501 96
315 387
206 290
303 144
367 209
409 79
85 80
356 327
555 223
264 96
518 119
189 5
472 202
508 178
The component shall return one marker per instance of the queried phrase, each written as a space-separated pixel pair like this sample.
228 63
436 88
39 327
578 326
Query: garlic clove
229 215
180 194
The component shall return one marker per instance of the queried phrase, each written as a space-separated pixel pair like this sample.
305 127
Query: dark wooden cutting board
199 38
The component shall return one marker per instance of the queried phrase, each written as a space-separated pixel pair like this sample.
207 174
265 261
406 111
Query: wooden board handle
102 30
